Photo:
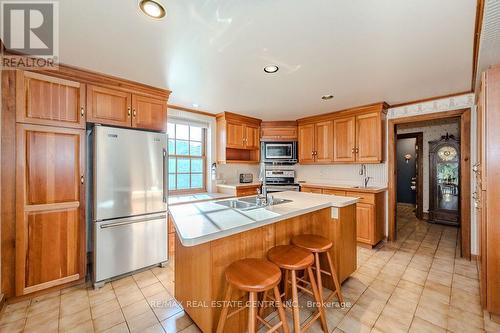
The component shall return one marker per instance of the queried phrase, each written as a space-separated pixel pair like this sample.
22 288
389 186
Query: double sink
249 203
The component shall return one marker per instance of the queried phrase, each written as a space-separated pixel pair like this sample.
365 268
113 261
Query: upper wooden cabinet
279 131
109 106
354 136
50 197
121 108
316 143
149 113
344 139
238 138
47 100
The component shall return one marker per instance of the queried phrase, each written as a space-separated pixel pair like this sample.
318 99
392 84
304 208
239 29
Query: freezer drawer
125 245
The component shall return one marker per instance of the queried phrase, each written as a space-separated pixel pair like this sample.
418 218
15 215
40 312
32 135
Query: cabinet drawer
246 191
311 190
334 192
363 197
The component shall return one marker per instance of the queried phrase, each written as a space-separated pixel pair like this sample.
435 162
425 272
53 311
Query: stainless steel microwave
279 152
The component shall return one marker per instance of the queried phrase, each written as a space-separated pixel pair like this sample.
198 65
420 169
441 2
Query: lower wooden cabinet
370 212
50 213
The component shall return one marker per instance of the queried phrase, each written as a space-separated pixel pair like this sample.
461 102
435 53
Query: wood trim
286 123
477 41
354 111
422 100
230 116
8 182
50 284
182 108
465 219
420 177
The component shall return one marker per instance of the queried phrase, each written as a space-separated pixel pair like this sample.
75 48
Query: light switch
335 213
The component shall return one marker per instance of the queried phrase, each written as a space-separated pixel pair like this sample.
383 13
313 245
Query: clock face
447 153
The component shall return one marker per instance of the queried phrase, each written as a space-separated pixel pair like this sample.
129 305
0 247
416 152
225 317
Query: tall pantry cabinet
488 190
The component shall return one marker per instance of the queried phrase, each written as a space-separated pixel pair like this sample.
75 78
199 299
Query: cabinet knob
353 150
82 179
82 111
128 109
134 113
357 150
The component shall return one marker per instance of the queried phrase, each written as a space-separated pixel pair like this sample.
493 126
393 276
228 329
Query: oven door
282 188
278 151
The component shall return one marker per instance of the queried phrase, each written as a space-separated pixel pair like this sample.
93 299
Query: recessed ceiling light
271 69
152 8
326 97
195 105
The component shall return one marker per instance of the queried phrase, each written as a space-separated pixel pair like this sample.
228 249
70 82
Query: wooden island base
199 270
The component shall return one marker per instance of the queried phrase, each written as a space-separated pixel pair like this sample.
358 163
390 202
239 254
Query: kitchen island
211 235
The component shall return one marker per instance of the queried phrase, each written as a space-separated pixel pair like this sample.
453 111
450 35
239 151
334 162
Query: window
186 158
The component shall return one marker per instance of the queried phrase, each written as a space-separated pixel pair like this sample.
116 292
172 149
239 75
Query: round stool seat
290 257
313 243
253 275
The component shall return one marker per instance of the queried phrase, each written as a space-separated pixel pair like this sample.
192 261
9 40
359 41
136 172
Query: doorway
409 155
463 117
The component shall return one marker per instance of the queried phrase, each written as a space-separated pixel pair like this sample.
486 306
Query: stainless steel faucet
262 179
362 172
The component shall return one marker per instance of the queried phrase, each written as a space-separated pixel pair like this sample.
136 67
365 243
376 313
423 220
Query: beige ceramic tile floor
417 284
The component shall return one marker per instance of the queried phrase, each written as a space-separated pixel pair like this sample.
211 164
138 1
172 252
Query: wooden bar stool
293 259
253 276
318 245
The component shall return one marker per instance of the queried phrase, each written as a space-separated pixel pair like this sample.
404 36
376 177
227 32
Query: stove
281 180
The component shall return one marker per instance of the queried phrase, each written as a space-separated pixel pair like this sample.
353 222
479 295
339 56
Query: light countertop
198 223
238 185
198 197
369 189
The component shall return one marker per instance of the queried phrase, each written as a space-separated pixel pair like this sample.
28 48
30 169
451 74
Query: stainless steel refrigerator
129 200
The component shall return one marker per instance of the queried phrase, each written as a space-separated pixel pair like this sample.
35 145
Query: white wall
432 130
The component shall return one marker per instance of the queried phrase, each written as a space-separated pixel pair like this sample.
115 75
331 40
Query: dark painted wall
406 170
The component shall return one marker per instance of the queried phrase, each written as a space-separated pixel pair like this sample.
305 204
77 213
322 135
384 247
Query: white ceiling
212 52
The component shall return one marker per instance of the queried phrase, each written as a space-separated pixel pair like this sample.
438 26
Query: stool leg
281 310
318 275
335 278
252 312
295 303
318 300
285 285
225 309
263 307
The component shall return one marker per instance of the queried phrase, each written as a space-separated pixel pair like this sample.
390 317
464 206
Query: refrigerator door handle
146 219
165 176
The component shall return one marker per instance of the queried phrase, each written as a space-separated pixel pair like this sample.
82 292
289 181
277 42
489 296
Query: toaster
246 178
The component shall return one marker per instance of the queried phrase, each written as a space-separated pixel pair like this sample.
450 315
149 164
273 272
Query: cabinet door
149 113
252 137
109 106
235 135
344 139
365 218
324 142
311 190
369 138
306 143
334 192
50 215
48 100
279 133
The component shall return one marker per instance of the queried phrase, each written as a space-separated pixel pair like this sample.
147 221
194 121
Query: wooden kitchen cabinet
50 213
279 131
370 210
122 108
316 143
149 113
370 138
238 138
344 139
355 135
487 192
47 100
